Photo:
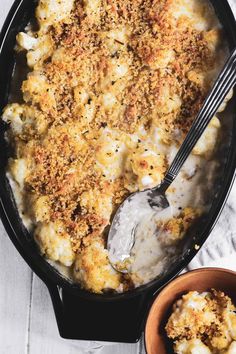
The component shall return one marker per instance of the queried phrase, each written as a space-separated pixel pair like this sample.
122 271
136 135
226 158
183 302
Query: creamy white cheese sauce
130 214
150 254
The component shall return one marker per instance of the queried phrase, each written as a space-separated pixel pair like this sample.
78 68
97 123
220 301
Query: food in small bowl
203 323
194 314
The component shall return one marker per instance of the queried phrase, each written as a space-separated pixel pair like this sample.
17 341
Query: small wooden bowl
203 279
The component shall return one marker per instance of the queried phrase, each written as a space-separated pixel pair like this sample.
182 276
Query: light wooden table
27 322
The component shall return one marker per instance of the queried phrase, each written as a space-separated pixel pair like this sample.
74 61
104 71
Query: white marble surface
27 322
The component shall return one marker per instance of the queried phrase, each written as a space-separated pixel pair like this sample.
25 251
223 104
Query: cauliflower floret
109 100
93 269
168 101
54 243
197 14
206 144
85 104
97 201
111 154
26 41
52 11
119 68
19 171
197 77
37 90
41 209
13 114
162 58
24 119
160 137
81 96
188 318
116 39
41 52
145 166
39 49
116 77
193 346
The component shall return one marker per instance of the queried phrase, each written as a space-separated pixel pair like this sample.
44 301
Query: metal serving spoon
141 205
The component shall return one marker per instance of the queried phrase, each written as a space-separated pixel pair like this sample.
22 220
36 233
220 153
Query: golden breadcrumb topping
107 78
204 322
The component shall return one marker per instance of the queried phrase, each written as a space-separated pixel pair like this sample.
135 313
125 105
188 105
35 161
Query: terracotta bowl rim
175 280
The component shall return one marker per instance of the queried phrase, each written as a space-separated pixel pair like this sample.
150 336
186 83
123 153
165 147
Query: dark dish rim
47 272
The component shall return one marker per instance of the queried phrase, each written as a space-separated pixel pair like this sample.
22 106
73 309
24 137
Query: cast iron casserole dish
80 314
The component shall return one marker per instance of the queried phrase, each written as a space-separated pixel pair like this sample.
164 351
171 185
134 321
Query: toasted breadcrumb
105 75
199 321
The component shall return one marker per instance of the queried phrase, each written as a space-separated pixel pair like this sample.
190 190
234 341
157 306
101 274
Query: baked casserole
113 88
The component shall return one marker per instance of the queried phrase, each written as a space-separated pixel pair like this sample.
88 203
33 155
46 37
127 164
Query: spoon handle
224 83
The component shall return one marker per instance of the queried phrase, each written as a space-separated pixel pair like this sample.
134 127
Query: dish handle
87 319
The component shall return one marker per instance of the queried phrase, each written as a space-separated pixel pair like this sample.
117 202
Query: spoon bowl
138 206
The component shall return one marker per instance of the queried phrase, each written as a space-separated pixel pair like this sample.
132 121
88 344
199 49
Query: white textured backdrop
27 322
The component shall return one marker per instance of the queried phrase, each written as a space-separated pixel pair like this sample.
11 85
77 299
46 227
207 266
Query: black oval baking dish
81 314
